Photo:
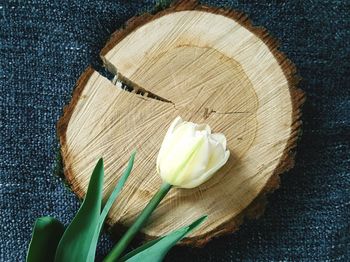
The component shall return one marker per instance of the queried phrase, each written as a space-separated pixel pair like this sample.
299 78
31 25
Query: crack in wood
128 85
209 111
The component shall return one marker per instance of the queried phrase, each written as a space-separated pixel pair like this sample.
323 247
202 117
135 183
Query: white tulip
190 154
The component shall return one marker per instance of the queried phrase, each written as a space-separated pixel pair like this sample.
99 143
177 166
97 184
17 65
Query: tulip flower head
190 154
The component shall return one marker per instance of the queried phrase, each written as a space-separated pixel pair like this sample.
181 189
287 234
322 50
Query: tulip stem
119 248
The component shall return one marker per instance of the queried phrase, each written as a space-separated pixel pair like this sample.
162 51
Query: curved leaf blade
76 240
47 233
107 207
155 251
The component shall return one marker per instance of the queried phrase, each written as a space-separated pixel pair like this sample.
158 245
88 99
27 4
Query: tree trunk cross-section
208 66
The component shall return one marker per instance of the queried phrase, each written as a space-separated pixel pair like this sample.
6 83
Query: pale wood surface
212 69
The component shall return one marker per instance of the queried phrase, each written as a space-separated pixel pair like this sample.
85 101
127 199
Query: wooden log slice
208 66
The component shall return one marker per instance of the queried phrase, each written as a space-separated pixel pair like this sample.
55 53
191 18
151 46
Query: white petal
205 127
167 139
220 138
182 143
206 176
198 163
217 153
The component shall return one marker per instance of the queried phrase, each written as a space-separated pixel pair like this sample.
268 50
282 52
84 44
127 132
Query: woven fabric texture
45 46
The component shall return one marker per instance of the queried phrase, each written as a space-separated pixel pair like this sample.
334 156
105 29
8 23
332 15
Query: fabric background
45 46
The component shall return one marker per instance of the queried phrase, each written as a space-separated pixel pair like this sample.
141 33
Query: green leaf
107 207
76 240
47 233
155 251
122 244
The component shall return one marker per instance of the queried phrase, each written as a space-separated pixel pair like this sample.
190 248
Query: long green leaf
76 240
140 221
107 207
47 233
155 251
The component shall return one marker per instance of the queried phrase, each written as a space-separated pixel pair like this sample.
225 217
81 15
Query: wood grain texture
209 65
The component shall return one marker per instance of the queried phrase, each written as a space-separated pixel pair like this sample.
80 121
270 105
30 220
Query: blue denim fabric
45 46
